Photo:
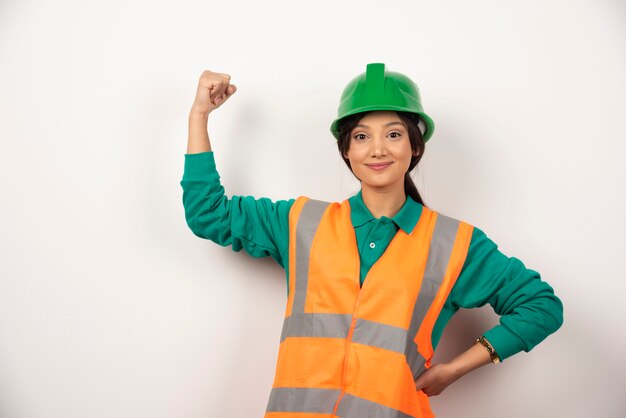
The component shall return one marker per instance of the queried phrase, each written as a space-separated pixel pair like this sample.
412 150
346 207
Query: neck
383 202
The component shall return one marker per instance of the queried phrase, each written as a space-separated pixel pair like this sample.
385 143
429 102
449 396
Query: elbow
554 315
194 226
210 228
559 314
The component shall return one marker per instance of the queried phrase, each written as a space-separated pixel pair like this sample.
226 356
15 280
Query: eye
359 136
395 134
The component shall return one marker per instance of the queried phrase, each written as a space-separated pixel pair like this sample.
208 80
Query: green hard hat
377 89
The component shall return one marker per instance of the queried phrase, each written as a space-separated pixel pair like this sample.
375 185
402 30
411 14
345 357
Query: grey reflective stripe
316 325
439 253
440 250
379 335
308 222
327 325
352 406
321 401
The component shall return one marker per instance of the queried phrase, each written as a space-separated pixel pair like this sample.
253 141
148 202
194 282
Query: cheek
356 154
404 153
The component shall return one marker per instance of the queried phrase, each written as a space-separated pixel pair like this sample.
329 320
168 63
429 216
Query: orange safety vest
353 352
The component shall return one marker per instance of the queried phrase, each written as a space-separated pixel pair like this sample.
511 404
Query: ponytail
411 190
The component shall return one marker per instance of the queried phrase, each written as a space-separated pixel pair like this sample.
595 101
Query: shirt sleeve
259 226
528 308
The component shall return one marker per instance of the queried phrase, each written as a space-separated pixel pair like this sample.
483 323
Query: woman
373 280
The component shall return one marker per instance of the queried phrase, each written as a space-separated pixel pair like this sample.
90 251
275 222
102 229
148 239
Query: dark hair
410 120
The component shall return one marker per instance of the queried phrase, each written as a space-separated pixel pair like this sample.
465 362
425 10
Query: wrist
195 113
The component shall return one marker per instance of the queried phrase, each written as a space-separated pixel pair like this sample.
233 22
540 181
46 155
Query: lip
378 166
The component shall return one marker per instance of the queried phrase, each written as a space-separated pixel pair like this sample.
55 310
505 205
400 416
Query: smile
378 167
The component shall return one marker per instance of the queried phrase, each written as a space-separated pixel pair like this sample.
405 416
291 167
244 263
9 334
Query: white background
111 307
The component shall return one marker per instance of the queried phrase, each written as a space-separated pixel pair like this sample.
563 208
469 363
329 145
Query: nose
378 147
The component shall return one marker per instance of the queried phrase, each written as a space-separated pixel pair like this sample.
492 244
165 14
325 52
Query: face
380 151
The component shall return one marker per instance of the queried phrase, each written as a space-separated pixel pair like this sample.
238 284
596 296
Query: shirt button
372 245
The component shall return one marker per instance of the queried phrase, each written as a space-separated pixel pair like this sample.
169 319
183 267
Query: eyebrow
387 124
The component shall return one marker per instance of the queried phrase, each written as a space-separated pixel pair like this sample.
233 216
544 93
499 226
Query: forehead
380 118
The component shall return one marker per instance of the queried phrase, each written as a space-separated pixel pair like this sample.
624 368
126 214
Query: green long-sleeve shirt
529 311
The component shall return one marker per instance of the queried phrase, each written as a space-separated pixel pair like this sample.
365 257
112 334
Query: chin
383 183
377 185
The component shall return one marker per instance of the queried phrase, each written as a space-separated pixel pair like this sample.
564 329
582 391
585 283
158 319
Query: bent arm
528 308
260 226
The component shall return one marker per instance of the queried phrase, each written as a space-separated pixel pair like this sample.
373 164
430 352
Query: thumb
424 379
420 382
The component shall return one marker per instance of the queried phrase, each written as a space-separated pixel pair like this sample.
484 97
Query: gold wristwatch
494 356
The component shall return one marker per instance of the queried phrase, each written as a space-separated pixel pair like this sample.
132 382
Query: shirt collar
406 218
